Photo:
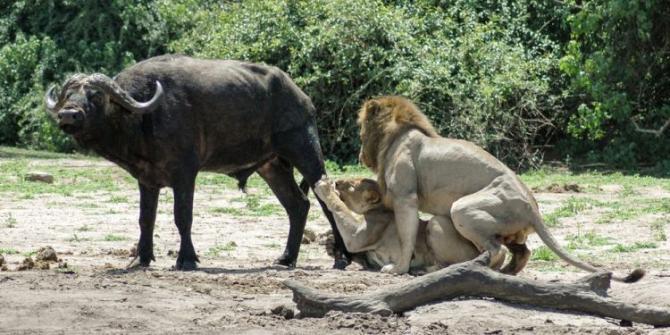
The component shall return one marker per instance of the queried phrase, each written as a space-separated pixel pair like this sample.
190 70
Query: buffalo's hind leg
145 245
301 148
278 175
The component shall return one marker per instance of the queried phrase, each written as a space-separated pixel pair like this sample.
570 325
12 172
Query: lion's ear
371 197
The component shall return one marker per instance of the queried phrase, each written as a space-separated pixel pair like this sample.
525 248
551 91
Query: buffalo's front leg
278 175
148 205
183 190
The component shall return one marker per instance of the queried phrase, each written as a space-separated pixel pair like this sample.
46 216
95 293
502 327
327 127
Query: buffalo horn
122 97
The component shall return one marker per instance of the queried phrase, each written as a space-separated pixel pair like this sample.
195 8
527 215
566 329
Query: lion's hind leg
475 217
446 243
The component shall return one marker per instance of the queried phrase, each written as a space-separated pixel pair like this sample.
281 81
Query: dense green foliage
618 63
511 75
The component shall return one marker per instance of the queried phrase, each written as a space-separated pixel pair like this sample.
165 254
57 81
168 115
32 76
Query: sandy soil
236 287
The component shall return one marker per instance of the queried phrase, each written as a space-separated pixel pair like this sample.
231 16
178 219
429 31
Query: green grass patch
67 180
8 251
631 209
118 199
570 208
18 153
217 249
114 238
253 206
627 191
634 247
590 180
543 253
256 208
586 241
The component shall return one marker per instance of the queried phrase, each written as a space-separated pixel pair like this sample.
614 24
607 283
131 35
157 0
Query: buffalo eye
95 96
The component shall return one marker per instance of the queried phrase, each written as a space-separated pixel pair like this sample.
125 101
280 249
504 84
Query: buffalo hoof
340 264
285 261
186 265
137 263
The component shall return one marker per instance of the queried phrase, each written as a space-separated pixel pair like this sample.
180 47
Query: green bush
45 41
511 75
475 68
617 62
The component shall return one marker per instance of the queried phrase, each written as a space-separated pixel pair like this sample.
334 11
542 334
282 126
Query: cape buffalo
168 117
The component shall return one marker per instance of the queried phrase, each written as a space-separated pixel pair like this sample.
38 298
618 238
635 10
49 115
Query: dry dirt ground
92 228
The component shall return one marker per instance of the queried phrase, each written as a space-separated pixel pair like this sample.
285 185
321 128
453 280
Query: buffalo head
84 100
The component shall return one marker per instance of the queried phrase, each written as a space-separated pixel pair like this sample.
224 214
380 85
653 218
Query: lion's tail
548 239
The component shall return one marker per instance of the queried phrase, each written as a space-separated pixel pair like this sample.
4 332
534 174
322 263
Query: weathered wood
475 279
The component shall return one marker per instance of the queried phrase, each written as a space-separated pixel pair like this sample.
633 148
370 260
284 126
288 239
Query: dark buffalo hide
168 117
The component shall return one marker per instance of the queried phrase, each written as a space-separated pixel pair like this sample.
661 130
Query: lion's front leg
354 230
407 221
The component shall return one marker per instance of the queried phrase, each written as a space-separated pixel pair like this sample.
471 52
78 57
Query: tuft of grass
118 199
113 238
658 231
627 210
252 207
586 240
8 251
217 249
592 180
571 207
627 191
84 228
10 221
543 253
634 247
256 208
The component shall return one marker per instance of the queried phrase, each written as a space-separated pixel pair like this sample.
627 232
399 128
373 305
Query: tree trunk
474 278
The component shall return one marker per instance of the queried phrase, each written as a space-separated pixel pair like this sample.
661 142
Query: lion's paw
324 187
394 269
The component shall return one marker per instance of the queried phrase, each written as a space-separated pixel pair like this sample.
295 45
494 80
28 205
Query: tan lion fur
381 121
419 170
369 232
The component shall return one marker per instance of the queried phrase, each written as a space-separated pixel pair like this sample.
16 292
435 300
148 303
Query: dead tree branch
656 132
475 279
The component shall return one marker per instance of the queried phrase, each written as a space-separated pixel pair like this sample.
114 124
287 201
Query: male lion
373 239
419 170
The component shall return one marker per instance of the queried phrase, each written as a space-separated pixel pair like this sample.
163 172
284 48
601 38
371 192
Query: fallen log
475 279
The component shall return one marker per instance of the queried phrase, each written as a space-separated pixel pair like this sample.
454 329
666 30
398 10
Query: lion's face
381 120
359 194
